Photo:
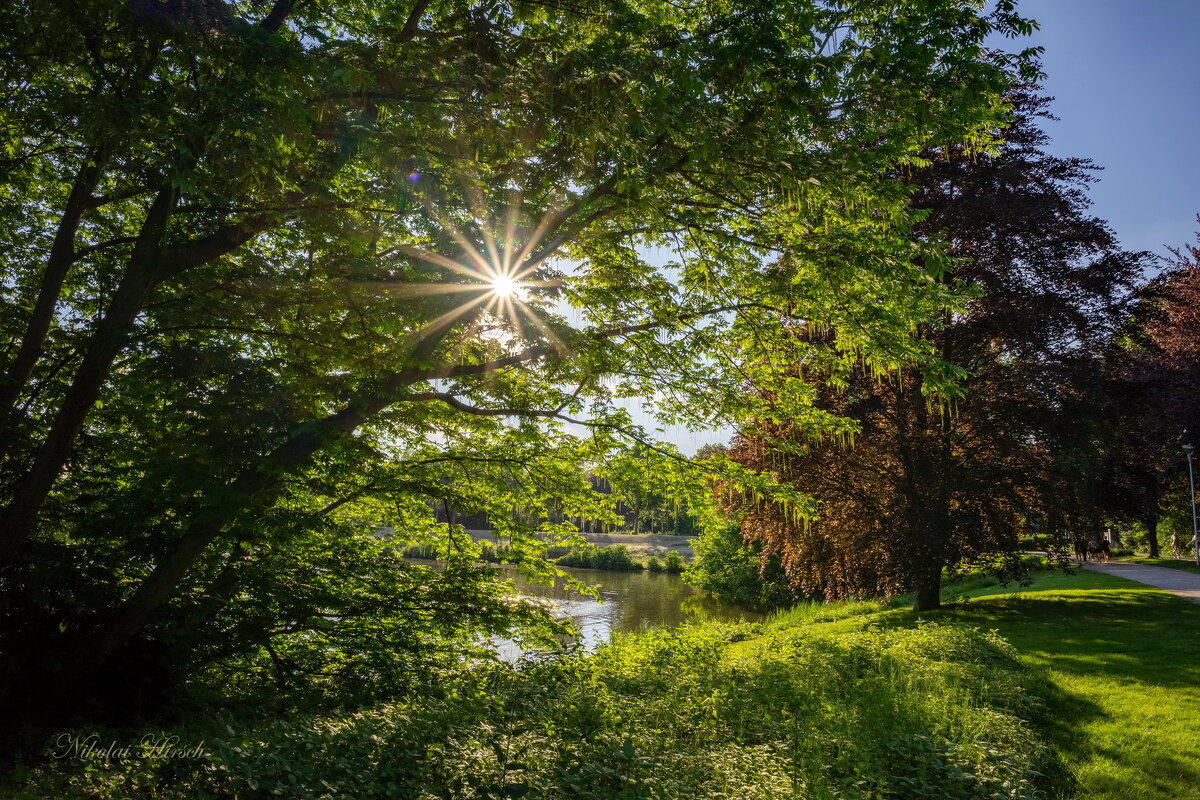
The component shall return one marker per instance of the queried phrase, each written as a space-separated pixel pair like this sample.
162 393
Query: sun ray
510 229
479 209
556 341
535 238
424 289
510 315
439 259
468 247
450 315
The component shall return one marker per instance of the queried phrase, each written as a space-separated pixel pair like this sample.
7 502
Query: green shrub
422 551
655 564
493 553
616 558
674 562
726 567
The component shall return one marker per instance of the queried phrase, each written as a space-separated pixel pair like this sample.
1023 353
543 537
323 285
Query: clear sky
1126 78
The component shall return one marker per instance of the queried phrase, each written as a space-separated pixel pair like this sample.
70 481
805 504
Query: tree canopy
929 484
1150 401
258 298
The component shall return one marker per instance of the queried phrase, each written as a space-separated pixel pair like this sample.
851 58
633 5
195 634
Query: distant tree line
637 508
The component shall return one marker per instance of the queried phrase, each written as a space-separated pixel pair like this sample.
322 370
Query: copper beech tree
1153 400
915 480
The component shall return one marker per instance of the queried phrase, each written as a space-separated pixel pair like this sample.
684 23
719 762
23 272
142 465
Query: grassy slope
1122 662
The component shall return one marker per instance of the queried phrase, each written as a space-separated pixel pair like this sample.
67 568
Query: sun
505 286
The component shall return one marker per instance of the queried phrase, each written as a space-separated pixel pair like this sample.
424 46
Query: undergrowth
789 708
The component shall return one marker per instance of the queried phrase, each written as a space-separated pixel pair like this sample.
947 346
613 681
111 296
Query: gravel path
1176 581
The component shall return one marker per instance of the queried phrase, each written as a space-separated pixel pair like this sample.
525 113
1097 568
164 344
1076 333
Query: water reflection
629 601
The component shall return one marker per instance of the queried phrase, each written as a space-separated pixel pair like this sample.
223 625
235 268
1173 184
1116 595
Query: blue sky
1126 80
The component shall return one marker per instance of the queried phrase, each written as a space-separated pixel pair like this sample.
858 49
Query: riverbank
642 545
609 558
1095 689
745 711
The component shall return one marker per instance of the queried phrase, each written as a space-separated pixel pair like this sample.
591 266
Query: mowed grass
1119 663
1122 667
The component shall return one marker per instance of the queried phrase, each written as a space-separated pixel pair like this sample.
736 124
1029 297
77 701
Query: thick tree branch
414 18
277 15
177 258
62 255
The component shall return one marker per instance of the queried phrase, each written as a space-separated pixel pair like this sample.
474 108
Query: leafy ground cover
707 711
1095 697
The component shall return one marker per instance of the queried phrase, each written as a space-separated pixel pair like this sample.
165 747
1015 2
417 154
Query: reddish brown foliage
923 488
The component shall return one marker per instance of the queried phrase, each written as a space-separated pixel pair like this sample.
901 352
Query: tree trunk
106 341
62 253
1150 520
929 590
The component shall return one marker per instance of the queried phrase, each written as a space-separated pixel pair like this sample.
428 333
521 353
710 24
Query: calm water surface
629 601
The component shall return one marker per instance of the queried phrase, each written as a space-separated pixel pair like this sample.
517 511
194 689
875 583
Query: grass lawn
1120 669
1122 661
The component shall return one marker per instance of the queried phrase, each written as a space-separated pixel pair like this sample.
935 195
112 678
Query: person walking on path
1176 544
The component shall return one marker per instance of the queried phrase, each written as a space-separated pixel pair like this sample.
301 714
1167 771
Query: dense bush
731 570
841 711
425 552
616 558
671 562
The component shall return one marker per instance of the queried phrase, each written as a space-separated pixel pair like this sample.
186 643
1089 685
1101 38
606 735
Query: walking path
1176 581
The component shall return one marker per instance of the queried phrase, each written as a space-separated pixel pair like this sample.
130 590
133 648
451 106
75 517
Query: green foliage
425 552
810 710
907 486
616 558
735 572
671 562
248 304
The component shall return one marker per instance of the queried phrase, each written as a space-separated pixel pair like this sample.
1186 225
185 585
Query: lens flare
505 286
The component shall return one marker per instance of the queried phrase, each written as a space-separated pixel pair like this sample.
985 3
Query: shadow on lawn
1119 636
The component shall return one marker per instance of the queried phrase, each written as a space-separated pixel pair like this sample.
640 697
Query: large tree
931 480
257 287
1153 394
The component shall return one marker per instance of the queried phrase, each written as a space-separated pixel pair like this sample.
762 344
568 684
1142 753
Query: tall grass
792 708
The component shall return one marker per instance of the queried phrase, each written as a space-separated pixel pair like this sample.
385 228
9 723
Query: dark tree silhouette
1154 377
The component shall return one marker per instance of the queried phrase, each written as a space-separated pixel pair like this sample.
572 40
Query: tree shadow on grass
1112 636
1134 635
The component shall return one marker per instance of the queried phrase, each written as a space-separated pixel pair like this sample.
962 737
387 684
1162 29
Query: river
629 601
